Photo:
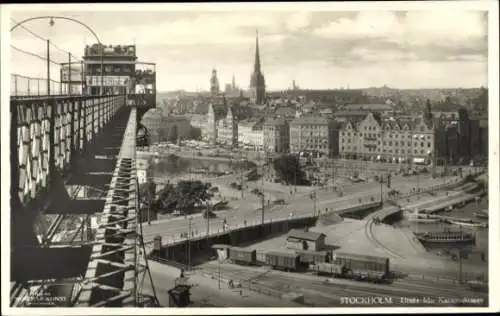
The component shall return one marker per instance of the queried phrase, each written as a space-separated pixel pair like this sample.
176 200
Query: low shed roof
303 235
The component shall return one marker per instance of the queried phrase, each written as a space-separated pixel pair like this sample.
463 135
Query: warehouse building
305 240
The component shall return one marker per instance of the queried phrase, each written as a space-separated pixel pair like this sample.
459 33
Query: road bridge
60 146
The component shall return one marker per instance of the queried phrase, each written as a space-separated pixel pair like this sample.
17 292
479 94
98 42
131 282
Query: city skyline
319 50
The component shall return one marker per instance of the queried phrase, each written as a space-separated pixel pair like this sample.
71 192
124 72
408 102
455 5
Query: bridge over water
59 147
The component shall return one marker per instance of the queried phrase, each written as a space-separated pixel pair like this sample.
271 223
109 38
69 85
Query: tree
173 134
147 198
147 192
162 134
288 169
194 133
185 195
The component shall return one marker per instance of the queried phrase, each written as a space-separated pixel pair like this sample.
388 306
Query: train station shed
222 251
305 240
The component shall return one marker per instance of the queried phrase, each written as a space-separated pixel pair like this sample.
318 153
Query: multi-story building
251 134
214 84
114 70
144 171
227 129
276 135
221 125
416 140
462 135
315 135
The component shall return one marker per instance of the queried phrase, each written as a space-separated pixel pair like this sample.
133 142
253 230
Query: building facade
416 140
115 70
276 136
462 136
251 135
315 135
257 81
144 171
214 84
227 129
119 67
305 240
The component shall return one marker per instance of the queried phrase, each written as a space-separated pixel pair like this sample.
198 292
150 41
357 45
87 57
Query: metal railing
24 86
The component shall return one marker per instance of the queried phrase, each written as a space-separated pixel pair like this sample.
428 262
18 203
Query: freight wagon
362 262
311 257
242 256
284 261
341 271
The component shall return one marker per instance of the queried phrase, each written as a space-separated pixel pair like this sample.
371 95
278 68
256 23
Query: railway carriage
284 261
362 262
311 257
242 256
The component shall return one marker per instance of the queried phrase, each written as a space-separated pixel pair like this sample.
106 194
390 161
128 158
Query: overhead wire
50 42
34 55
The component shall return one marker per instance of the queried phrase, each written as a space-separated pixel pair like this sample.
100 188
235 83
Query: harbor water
474 253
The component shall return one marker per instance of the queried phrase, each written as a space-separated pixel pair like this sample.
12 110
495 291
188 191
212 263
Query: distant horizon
319 50
335 89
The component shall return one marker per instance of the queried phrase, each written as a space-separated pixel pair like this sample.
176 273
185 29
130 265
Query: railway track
318 293
322 293
371 237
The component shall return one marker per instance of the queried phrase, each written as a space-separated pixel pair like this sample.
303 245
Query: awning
418 160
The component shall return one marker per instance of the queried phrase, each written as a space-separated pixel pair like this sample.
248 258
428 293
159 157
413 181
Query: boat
446 237
481 214
419 219
469 223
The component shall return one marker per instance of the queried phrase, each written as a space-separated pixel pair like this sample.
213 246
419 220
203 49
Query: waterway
466 212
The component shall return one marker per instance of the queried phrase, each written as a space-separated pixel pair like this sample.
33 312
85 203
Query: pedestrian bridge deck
75 141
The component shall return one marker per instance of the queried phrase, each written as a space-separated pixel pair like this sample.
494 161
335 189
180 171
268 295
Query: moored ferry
446 237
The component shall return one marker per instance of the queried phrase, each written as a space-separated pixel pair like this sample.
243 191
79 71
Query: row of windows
378 135
379 150
309 146
373 128
109 68
396 143
311 127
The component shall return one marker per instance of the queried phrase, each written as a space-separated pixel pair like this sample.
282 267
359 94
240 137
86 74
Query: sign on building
107 81
76 74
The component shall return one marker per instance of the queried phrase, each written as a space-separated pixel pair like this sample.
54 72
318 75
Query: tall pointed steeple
256 66
257 81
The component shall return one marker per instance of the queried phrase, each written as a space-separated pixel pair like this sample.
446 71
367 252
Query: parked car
209 214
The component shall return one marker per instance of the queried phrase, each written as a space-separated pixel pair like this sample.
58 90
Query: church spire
257 81
256 67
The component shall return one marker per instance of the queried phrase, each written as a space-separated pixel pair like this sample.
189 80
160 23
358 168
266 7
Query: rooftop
303 235
311 120
370 107
275 122
350 113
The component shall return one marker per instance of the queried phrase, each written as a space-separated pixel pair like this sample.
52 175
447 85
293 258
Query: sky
318 49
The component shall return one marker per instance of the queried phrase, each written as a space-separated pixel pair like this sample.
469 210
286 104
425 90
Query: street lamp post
189 245
52 18
418 184
48 67
381 188
219 273
208 219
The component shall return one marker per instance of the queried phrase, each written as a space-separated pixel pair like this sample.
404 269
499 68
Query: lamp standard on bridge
51 23
381 188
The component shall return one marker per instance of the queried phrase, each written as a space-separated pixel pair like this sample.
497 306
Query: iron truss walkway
73 163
